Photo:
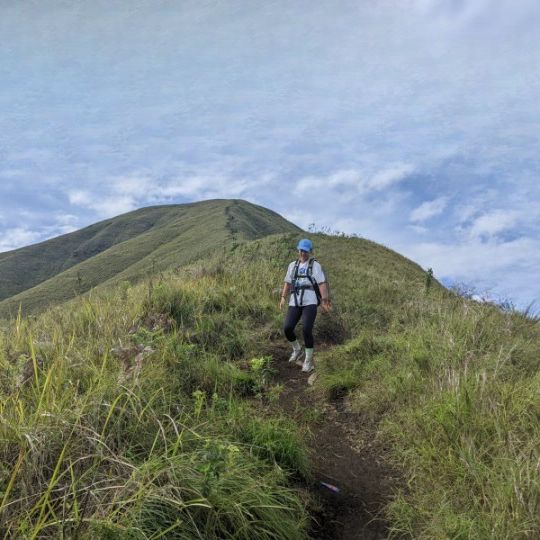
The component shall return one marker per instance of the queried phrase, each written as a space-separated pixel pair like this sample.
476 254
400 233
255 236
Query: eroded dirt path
343 454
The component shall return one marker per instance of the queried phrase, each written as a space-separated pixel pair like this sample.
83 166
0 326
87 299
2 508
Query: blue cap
305 245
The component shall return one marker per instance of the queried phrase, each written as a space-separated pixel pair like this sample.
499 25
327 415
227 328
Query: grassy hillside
124 416
155 399
126 248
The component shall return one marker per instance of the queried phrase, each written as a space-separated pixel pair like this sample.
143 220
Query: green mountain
127 247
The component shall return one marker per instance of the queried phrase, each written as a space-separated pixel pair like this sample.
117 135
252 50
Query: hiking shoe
308 366
296 355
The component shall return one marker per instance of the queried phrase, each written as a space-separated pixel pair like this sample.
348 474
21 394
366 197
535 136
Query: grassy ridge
451 384
127 248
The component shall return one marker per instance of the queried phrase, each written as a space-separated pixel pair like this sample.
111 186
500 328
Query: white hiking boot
308 366
296 355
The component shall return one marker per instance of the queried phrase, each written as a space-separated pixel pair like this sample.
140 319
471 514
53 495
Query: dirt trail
352 464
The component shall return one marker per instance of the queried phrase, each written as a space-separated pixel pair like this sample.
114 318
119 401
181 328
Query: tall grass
119 418
122 414
455 388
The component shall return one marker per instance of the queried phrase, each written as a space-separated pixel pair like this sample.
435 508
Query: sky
413 123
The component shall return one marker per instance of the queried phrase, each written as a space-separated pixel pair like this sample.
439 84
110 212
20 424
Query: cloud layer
412 123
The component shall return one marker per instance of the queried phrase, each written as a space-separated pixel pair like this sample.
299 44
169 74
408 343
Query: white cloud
121 194
103 203
191 186
346 177
80 198
387 177
354 181
206 185
132 185
66 219
492 223
63 230
418 229
113 206
309 184
350 179
18 237
486 265
429 209
474 257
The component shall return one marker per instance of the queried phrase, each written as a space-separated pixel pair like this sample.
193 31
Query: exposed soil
344 454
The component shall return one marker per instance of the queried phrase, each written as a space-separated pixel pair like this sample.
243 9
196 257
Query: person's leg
291 320
308 320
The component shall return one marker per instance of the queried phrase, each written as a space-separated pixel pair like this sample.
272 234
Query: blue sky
414 123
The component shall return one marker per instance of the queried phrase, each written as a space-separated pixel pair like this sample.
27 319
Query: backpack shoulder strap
295 269
313 282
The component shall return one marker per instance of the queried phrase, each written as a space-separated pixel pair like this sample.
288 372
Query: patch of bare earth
344 455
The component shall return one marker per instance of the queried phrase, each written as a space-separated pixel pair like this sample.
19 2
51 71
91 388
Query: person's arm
323 286
284 294
286 286
325 299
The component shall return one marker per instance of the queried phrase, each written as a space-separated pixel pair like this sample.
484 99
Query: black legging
308 314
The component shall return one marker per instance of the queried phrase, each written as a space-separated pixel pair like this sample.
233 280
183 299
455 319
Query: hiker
305 286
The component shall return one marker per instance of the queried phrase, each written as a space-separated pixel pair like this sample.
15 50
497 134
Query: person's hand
326 305
281 303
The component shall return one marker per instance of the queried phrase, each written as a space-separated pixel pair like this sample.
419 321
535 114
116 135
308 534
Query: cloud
475 257
429 209
102 203
66 220
371 125
418 229
205 185
18 237
135 186
113 206
348 179
493 223
120 194
387 177
484 264
355 181
80 197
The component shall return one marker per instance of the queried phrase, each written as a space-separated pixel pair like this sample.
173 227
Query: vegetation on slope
122 417
156 438
454 387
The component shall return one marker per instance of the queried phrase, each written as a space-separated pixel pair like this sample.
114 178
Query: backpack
314 285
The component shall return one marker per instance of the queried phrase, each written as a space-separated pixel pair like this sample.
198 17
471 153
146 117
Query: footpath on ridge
344 454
